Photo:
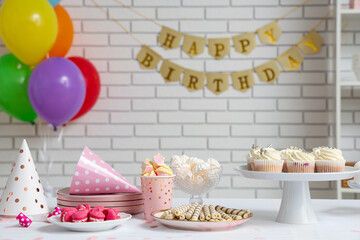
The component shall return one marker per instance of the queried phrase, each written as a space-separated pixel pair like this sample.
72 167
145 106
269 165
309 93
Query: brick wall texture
139 115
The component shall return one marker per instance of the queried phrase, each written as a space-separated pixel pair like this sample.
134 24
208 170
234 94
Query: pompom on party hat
94 176
23 190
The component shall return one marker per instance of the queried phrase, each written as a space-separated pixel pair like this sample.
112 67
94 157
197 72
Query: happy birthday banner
268 72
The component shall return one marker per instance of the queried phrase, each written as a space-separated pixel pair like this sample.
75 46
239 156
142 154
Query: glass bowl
197 184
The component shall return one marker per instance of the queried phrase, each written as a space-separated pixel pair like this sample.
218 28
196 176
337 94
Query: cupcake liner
266 165
329 166
250 163
300 167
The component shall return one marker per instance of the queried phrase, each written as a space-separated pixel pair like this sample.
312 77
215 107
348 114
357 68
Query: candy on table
24 221
57 211
191 210
155 167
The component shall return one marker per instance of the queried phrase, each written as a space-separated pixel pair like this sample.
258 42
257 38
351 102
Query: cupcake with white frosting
250 157
286 153
328 159
297 160
268 160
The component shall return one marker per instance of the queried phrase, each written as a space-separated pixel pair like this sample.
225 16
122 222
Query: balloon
54 2
28 29
92 82
65 33
14 77
56 90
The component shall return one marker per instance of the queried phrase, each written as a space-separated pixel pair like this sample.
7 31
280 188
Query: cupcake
299 161
286 153
250 157
268 160
328 159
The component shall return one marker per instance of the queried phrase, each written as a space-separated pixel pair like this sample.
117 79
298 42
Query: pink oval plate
130 209
114 197
197 226
105 204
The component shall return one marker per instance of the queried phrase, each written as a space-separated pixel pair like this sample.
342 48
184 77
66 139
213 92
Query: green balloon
14 99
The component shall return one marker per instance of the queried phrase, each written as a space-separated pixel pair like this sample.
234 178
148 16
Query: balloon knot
55 129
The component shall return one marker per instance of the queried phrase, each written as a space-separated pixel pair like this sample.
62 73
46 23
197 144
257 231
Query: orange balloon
65 33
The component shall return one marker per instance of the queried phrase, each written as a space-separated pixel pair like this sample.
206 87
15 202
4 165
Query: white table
338 220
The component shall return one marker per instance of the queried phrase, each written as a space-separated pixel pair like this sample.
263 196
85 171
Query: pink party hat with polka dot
94 176
23 190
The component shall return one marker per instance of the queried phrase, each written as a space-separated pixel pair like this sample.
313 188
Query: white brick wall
139 115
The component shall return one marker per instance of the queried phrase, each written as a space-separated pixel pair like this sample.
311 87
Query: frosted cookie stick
225 216
214 214
191 211
235 217
207 212
195 216
182 209
202 216
166 213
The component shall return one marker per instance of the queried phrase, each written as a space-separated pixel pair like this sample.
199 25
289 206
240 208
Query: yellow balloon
28 29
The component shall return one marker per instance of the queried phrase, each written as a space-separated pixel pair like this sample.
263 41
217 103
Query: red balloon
92 83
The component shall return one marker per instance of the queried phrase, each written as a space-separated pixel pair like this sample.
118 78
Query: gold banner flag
217 82
270 33
291 59
193 80
244 43
243 80
193 45
170 71
311 43
169 38
268 72
219 47
147 58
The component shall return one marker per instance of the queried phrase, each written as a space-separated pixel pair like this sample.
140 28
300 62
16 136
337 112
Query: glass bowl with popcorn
195 176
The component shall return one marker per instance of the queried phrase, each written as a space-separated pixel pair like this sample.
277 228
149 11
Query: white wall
138 115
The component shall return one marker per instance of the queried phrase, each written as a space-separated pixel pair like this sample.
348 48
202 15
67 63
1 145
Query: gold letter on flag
147 58
170 71
193 80
268 72
243 80
244 43
270 33
311 43
217 82
219 47
193 45
169 38
291 59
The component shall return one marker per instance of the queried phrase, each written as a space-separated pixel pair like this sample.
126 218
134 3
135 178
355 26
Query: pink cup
157 192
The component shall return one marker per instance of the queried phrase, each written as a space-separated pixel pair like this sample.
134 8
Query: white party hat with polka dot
94 176
23 190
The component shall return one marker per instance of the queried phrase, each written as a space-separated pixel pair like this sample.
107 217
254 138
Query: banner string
323 19
117 22
292 10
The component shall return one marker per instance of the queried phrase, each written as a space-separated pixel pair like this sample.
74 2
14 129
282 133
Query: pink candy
24 221
158 160
57 211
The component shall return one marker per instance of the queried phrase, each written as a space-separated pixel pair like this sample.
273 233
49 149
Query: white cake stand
296 201
353 184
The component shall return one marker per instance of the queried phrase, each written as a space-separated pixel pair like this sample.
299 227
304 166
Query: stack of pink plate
126 202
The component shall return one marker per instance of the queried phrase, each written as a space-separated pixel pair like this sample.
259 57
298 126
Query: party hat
23 191
94 176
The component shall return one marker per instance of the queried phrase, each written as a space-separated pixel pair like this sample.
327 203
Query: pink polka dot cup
157 193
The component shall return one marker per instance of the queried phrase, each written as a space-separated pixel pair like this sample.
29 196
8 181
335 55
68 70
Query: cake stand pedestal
296 207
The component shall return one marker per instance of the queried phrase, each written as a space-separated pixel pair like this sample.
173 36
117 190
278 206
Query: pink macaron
111 214
83 206
80 216
67 213
96 214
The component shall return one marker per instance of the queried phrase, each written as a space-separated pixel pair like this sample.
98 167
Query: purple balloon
56 90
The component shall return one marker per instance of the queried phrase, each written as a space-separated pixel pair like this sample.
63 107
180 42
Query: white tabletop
338 219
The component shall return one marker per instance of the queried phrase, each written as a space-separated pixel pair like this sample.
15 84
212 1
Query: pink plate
113 197
128 209
197 226
105 204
